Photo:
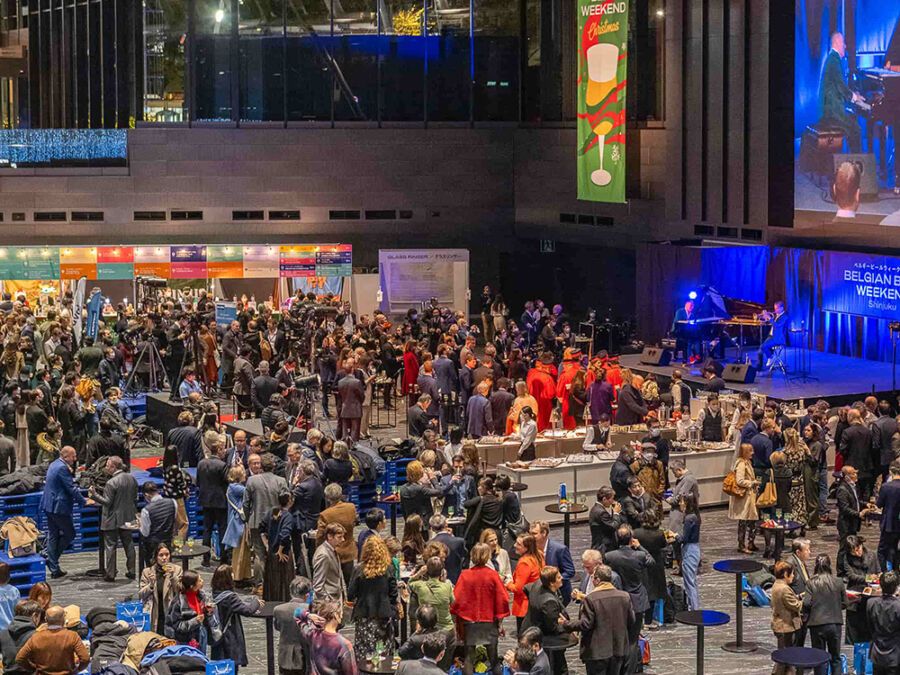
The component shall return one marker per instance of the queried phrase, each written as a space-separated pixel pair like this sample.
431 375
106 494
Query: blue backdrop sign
856 283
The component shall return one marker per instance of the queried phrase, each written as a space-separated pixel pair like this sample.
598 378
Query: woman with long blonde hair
373 589
796 453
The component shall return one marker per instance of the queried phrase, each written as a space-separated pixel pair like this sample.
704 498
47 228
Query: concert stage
838 378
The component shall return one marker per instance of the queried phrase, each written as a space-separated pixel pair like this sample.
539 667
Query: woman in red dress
410 372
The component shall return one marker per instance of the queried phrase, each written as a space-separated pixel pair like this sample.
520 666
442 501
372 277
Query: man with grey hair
590 560
264 385
291 645
309 493
118 501
418 419
260 497
344 514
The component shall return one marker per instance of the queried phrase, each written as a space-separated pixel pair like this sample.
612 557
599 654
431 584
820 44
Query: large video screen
847 111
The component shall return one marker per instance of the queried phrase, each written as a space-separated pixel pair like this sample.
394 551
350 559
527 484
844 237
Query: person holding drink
160 584
192 618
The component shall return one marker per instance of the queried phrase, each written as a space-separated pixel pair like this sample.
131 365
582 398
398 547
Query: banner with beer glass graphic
602 74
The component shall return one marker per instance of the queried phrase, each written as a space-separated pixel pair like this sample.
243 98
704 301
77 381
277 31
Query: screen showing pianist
847 111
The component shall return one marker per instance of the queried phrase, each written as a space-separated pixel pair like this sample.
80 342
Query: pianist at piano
835 95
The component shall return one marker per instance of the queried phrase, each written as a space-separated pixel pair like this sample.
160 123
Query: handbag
769 496
240 558
731 487
224 667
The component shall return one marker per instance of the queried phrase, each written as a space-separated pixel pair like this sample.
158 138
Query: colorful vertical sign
115 262
297 261
602 79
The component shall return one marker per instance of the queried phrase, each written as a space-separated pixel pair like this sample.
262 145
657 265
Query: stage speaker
743 373
868 180
654 356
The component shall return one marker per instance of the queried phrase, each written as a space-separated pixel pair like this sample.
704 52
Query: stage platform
253 427
839 379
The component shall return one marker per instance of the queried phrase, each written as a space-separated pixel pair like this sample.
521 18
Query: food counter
583 480
495 450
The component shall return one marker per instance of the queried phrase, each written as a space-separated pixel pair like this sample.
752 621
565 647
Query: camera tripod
150 352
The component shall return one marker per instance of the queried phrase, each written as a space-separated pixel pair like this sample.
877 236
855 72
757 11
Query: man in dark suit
264 385
605 518
800 552
239 453
309 494
501 401
637 501
883 614
883 430
352 395
291 645
607 623
212 483
856 449
762 449
630 561
555 554
418 418
445 371
57 502
778 337
850 511
118 501
714 383
533 639
456 546
433 648
835 95
889 503
689 346
752 427
428 384
188 439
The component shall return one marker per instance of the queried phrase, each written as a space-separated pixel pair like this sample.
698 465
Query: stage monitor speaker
654 356
868 180
744 373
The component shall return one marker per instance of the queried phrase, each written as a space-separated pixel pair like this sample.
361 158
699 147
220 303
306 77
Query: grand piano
880 88
723 322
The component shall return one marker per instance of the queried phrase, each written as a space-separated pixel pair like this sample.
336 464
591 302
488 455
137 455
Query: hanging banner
602 76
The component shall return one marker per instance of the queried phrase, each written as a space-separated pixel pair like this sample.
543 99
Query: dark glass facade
112 63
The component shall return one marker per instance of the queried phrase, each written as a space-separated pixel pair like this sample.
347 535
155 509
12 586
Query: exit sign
548 246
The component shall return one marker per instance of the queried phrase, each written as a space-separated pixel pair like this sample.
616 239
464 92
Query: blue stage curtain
736 271
664 276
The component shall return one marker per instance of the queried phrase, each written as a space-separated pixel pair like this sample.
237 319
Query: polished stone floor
673 649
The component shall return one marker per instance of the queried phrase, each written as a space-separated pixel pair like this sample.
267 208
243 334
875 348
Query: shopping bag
769 496
133 613
240 558
223 667
862 665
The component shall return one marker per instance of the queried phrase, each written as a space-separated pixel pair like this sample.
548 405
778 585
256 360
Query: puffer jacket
109 638
11 641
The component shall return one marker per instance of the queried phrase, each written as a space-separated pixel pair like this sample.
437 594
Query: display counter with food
709 462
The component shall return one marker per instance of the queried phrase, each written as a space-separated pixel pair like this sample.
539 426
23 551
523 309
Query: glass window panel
496 89
355 50
308 67
646 60
165 37
449 68
261 43
531 84
212 60
403 47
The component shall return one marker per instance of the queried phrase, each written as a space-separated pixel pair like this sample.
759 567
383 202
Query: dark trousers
635 658
887 549
111 540
614 665
828 637
348 428
885 670
557 659
60 534
213 518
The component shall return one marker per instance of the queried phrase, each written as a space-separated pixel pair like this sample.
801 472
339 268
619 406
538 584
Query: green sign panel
602 77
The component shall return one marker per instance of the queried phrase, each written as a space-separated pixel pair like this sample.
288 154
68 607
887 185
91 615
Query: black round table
518 487
702 619
566 512
390 505
377 667
779 530
739 568
801 657
267 612
185 554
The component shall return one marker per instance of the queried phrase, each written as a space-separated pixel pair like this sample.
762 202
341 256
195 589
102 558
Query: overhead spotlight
692 295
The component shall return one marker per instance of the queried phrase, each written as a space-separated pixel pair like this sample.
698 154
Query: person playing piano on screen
835 95
686 340
778 337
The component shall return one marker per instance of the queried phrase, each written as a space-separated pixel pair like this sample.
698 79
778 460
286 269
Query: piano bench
820 142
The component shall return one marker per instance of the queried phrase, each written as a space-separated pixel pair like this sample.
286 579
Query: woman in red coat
410 372
480 603
571 365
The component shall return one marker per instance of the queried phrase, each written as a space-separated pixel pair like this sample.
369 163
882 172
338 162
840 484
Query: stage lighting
692 295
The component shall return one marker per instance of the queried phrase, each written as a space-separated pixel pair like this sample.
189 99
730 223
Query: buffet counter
495 450
583 479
